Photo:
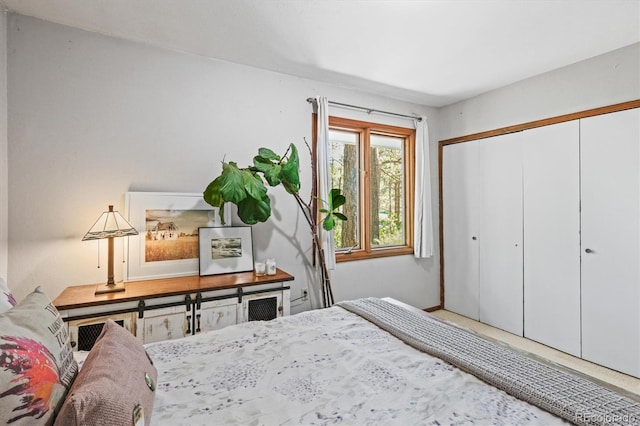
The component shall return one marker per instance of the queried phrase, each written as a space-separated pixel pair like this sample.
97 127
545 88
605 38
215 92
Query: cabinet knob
588 250
474 238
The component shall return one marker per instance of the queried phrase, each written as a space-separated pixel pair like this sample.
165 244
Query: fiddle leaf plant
335 201
245 187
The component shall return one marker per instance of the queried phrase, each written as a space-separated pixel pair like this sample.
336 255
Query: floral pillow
36 362
7 301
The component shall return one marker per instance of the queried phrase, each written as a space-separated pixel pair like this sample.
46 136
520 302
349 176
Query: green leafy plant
245 187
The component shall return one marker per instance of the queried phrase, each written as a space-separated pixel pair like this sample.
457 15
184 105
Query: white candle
271 266
260 268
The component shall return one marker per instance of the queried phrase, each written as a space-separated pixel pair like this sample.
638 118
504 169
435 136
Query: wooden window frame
366 251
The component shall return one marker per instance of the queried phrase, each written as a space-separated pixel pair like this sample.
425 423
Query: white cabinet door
217 314
164 324
551 182
262 306
610 193
460 201
85 332
500 237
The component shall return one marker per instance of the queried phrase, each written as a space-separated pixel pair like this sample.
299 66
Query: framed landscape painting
167 223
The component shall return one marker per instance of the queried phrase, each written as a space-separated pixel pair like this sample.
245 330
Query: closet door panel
610 193
500 237
551 196
460 189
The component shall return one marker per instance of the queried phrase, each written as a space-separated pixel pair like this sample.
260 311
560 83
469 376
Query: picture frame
225 250
167 224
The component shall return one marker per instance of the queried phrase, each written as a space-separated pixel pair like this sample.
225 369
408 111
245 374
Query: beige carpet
615 378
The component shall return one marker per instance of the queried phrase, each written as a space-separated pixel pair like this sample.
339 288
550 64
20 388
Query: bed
363 362
369 361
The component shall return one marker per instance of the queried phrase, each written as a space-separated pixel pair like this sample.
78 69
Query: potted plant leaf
245 187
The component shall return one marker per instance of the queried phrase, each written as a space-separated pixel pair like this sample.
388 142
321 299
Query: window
373 166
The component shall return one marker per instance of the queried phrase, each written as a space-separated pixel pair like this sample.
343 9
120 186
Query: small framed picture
225 250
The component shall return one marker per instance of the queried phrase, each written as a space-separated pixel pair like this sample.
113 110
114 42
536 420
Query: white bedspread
320 367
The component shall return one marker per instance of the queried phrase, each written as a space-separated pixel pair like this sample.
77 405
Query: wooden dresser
170 308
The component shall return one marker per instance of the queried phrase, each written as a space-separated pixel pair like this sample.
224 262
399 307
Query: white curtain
324 175
423 221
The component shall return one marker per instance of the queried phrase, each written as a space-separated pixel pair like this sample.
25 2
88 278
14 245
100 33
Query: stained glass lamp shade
109 225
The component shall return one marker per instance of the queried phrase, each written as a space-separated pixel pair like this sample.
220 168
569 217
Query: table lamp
109 225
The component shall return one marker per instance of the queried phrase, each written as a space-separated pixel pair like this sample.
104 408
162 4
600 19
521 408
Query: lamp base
109 288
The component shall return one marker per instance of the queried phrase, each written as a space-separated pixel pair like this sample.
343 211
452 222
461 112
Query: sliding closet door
551 183
501 232
610 162
460 197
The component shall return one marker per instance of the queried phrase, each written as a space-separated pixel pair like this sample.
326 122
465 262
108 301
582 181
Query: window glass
387 187
345 174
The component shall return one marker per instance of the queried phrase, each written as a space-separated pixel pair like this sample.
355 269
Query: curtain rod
368 110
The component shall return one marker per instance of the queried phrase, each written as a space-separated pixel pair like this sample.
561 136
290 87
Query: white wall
4 165
603 80
92 117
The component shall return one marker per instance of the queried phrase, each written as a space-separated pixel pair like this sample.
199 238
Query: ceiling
431 52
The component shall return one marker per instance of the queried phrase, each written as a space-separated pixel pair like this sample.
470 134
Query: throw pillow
7 301
36 361
115 385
